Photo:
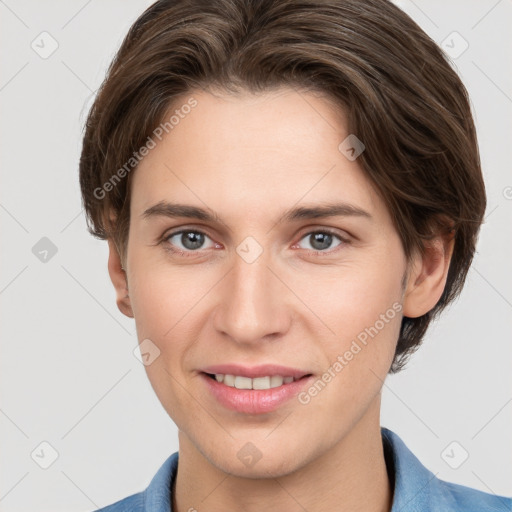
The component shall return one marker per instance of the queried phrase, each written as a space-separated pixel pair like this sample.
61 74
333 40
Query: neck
349 476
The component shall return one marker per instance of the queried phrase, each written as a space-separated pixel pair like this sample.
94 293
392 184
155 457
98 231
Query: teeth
243 383
276 381
261 383
229 380
239 382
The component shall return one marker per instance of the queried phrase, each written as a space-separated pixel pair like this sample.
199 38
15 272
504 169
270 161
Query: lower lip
254 401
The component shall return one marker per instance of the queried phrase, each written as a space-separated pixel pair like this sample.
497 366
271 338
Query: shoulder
156 497
418 489
460 498
133 503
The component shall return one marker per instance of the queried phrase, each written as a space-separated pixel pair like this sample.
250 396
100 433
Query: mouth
254 390
257 383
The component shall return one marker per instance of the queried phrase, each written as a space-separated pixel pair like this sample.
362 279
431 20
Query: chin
262 469
251 462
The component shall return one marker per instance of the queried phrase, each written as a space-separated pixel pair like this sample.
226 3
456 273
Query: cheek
365 314
353 297
359 307
164 298
166 304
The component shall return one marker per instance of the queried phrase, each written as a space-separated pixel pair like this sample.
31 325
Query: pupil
192 240
321 241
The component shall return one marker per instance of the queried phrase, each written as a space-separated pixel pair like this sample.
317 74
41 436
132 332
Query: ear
427 277
119 280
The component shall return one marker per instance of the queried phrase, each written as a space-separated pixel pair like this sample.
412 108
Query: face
259 254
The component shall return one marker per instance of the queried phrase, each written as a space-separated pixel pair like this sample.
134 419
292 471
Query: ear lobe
427 278
118 278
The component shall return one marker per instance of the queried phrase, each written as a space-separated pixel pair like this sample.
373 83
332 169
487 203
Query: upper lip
255 371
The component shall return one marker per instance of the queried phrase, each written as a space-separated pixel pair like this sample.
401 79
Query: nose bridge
251 305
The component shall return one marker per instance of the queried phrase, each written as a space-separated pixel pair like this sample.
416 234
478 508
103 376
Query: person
291 191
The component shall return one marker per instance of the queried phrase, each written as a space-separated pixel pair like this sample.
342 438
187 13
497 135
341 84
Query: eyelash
191 253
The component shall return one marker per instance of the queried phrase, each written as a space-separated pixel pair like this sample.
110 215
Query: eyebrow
173 210
325 210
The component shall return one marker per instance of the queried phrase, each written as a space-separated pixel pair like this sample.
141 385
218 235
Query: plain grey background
69 377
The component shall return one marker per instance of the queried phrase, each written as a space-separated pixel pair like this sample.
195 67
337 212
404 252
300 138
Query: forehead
252 152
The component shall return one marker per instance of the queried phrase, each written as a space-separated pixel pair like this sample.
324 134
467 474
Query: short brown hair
401 97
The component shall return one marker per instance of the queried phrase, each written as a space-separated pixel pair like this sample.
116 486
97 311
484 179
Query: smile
241 382
258 390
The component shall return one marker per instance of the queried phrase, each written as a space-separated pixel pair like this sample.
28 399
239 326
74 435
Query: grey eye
321 240
189 240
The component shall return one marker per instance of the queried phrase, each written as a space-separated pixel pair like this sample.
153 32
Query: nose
252 303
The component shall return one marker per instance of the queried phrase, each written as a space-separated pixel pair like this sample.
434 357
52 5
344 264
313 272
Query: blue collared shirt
416 489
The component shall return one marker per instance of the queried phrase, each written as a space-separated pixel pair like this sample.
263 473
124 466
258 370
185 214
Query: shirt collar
410 479
157 496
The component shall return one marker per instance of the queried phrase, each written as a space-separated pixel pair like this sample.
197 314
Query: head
281 182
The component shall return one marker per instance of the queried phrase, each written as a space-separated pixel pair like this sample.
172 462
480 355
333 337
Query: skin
248 159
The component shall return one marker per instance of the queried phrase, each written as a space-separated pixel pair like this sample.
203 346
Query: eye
189 240
321 241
